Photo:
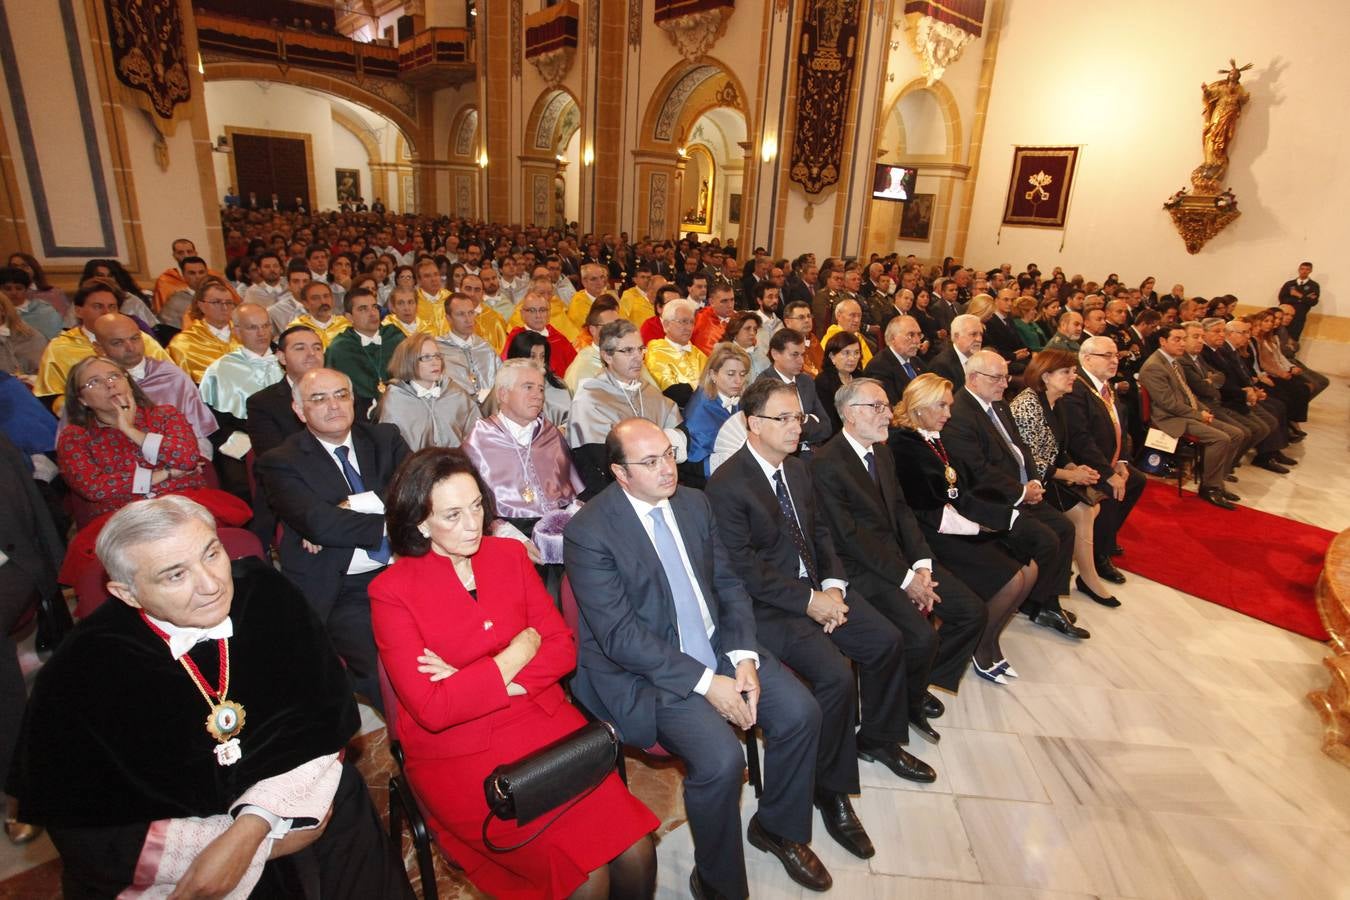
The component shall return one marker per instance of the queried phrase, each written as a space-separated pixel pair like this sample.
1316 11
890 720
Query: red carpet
1261 565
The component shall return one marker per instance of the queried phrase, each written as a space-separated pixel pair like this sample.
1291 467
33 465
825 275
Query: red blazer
560 352
419 602
708 329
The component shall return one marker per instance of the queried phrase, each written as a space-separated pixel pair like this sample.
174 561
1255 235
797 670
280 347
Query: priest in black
191 734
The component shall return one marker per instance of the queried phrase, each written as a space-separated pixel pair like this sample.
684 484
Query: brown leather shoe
799 860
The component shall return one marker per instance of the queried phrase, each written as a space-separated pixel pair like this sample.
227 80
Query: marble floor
1171 756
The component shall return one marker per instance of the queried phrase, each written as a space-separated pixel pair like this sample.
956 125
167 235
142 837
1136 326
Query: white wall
1137 110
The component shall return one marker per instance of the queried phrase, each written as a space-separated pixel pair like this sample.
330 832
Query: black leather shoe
699 889
1107 570
898 760
1270 465
1229 496
1296 436
1230 478
1215 497
1110 601
1048 618
1282 459
928 732
799 860
1068 614
932 706
843 825
1294 429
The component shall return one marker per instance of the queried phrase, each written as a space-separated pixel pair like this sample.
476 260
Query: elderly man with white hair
967 333
675 364
187 737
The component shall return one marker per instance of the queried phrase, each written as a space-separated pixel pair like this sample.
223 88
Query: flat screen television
893 182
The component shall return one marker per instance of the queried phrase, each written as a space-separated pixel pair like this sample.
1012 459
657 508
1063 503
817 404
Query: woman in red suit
475 649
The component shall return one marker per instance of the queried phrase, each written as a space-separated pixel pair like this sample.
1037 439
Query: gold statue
1223 100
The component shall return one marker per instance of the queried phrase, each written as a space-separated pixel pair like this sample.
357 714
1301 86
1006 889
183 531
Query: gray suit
1176 411
1204 381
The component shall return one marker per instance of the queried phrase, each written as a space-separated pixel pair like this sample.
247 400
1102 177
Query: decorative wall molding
657 186
938 32
467 134
674 103
693 26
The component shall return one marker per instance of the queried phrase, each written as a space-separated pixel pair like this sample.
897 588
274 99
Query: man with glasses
534 312
967 338
673 361
668 653
897 363
1239 394
325 484
797 316
985 447
787 358
470 361
619 392
207 335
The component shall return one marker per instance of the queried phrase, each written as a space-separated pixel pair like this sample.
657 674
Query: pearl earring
424 532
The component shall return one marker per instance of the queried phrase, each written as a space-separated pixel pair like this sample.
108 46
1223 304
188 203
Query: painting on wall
917 219
1038 192
348 185
734 209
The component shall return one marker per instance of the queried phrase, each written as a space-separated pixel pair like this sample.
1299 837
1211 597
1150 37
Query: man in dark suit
1096 437
1242 396
1302 293
668 653
801 285
781 548
326 485
897 364
967 338
945 305
987 450
271 415
1001 336
885 554
787 356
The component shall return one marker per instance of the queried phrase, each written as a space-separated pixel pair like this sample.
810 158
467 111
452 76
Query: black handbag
559 774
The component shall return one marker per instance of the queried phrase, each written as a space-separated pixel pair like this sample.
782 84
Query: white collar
332 448
765 466
543 331
88 335
466 343
857 447
787 379
222 335
181 640
137 372
1096 382
929 435
275 289
901 359
367 340
423 393
250 355
728 403
683 348
522 434
643 508
984 404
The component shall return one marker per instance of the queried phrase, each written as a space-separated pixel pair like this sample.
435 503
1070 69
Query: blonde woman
717 399
21 345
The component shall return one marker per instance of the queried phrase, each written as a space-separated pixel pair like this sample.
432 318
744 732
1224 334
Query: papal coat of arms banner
1039 191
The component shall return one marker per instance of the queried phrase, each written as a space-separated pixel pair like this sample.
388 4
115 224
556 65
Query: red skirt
587 836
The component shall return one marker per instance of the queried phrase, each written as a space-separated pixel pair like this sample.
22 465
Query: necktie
871 459
383 554
688 616
1115 420
794 527
1008 441
909 370
1181 377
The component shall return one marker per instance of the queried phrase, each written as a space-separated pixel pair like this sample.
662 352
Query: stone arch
464 139
951 113
298 77
542 126
686 92
362 133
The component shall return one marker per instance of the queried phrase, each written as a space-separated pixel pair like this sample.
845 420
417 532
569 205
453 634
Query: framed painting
348 185
917 219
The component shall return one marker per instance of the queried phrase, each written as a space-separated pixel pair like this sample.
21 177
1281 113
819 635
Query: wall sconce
684 154
483 160
768 149
201 69
588 156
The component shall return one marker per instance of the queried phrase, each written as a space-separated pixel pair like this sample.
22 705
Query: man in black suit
897 364
1001 336
326 484
271 414
1241 395
668 653
944 306
801 285
1302 293
787 355
781 548
967 338
1096 437
886 556
987 450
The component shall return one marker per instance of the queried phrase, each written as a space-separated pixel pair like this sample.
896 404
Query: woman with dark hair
132 301
929 325
475 651
842 361
1047 319
42 288
1148 297
557 399
1068 486
963 527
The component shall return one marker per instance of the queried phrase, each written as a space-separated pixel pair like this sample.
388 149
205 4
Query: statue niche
697 188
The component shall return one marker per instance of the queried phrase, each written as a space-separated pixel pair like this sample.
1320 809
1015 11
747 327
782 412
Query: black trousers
1044 534
1111 513
354 858
824 662
348 624
714 762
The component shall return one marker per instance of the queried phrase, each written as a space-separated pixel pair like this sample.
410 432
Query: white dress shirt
364 502
925 563
769 472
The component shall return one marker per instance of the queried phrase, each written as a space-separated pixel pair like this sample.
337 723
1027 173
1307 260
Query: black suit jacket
304 485
756 536
922 480
876 532
629 661
948 365
270 417
1003 338
1090 437
796 289
886 368
978 451
813 432
1231 392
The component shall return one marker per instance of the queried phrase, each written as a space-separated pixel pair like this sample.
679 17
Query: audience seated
363 352
843 361
21 344
36 313
710 323
717 399
1241 396
271 411
428 409
230 381
287 307
480 691
967 339
207 335
534 312
586 364
557 398
470 361
787 364
319 316
675 364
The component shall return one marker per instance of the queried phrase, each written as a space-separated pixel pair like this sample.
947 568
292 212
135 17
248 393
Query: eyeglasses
428 357
877 407
653 463
319 399
999 378
627 351
534 309
783 418
112 378
1099 354
217 303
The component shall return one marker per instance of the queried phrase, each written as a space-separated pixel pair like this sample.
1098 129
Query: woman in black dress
841 363
963 527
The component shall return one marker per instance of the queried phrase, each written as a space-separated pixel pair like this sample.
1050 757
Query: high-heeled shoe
1108 600
989 674
1003 667
20 833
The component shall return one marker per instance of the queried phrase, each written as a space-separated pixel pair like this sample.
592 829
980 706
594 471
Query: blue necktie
998 423
794 527
688 615
909 370
383 554
871 459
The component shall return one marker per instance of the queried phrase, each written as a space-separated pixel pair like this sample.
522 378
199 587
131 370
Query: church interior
1195 747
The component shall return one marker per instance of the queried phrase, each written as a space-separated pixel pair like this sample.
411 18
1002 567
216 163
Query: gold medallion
225 720
527 494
